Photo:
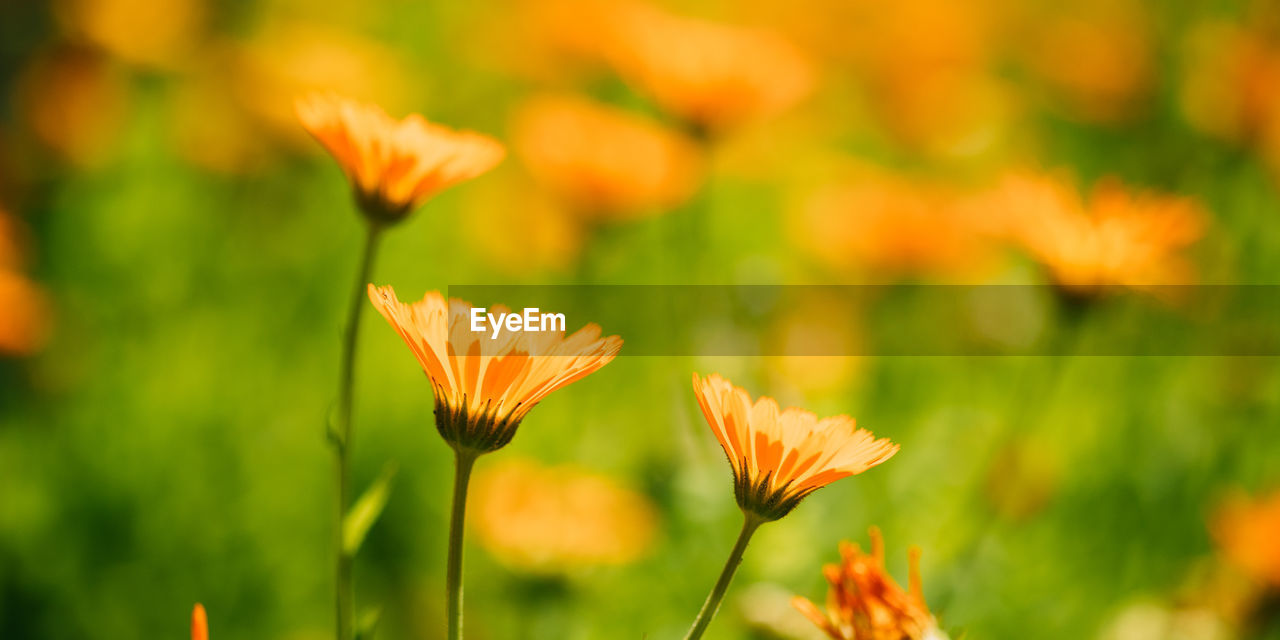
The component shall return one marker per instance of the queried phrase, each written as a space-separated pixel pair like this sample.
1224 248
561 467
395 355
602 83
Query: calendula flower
1116 238
394 165
1247 530
888 225
483 387
138 31
641 168
548 519
781 456
864 602
199 623
714 76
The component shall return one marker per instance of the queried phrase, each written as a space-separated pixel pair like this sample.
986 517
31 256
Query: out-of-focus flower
780 456
137 31
864 602
606 162
24 316
907 57
74 102
1116 238
1096 56
550 519
552 40
1156 621
714 76
888 225
1247 530
817 344
199 623
286 60
520 229
484 387
1231 89
394 165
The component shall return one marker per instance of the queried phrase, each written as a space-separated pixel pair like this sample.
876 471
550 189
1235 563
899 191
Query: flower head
643 166
1117 238
199 623
394 165
712 75
781 456
554 518
1247 530
864 603
484 387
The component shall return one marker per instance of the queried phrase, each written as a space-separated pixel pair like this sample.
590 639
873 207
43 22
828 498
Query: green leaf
366 510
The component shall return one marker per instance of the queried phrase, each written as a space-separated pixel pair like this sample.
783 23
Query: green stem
341 437
749 525
464 460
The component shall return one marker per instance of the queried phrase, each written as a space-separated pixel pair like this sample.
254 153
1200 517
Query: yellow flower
642 166
1117 238
714 76
394 165
199 623
484 388
1247 531
864 603
554 518
780 456
138 31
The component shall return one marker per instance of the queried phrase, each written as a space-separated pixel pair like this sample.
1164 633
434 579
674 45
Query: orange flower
1247 532
484 387
891 225
779 457
713 75
864 603
394 166
643 166
1117 238
199 623
554 518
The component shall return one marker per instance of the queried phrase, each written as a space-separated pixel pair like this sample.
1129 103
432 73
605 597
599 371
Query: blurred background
176 254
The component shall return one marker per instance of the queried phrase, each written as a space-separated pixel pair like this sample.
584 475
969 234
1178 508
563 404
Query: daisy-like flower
644 167
864 603
199 623
394 165
484 388
780 456
714 76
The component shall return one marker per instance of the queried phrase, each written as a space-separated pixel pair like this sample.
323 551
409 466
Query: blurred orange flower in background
394 166
75 102
1247 531
484 388
549 519
714 76
604 161
864 603
157 34
24 309
889 225
1095 57
780 456
1117 238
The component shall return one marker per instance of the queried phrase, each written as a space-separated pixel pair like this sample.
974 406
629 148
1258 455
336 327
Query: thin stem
464 460
341 437
750 523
